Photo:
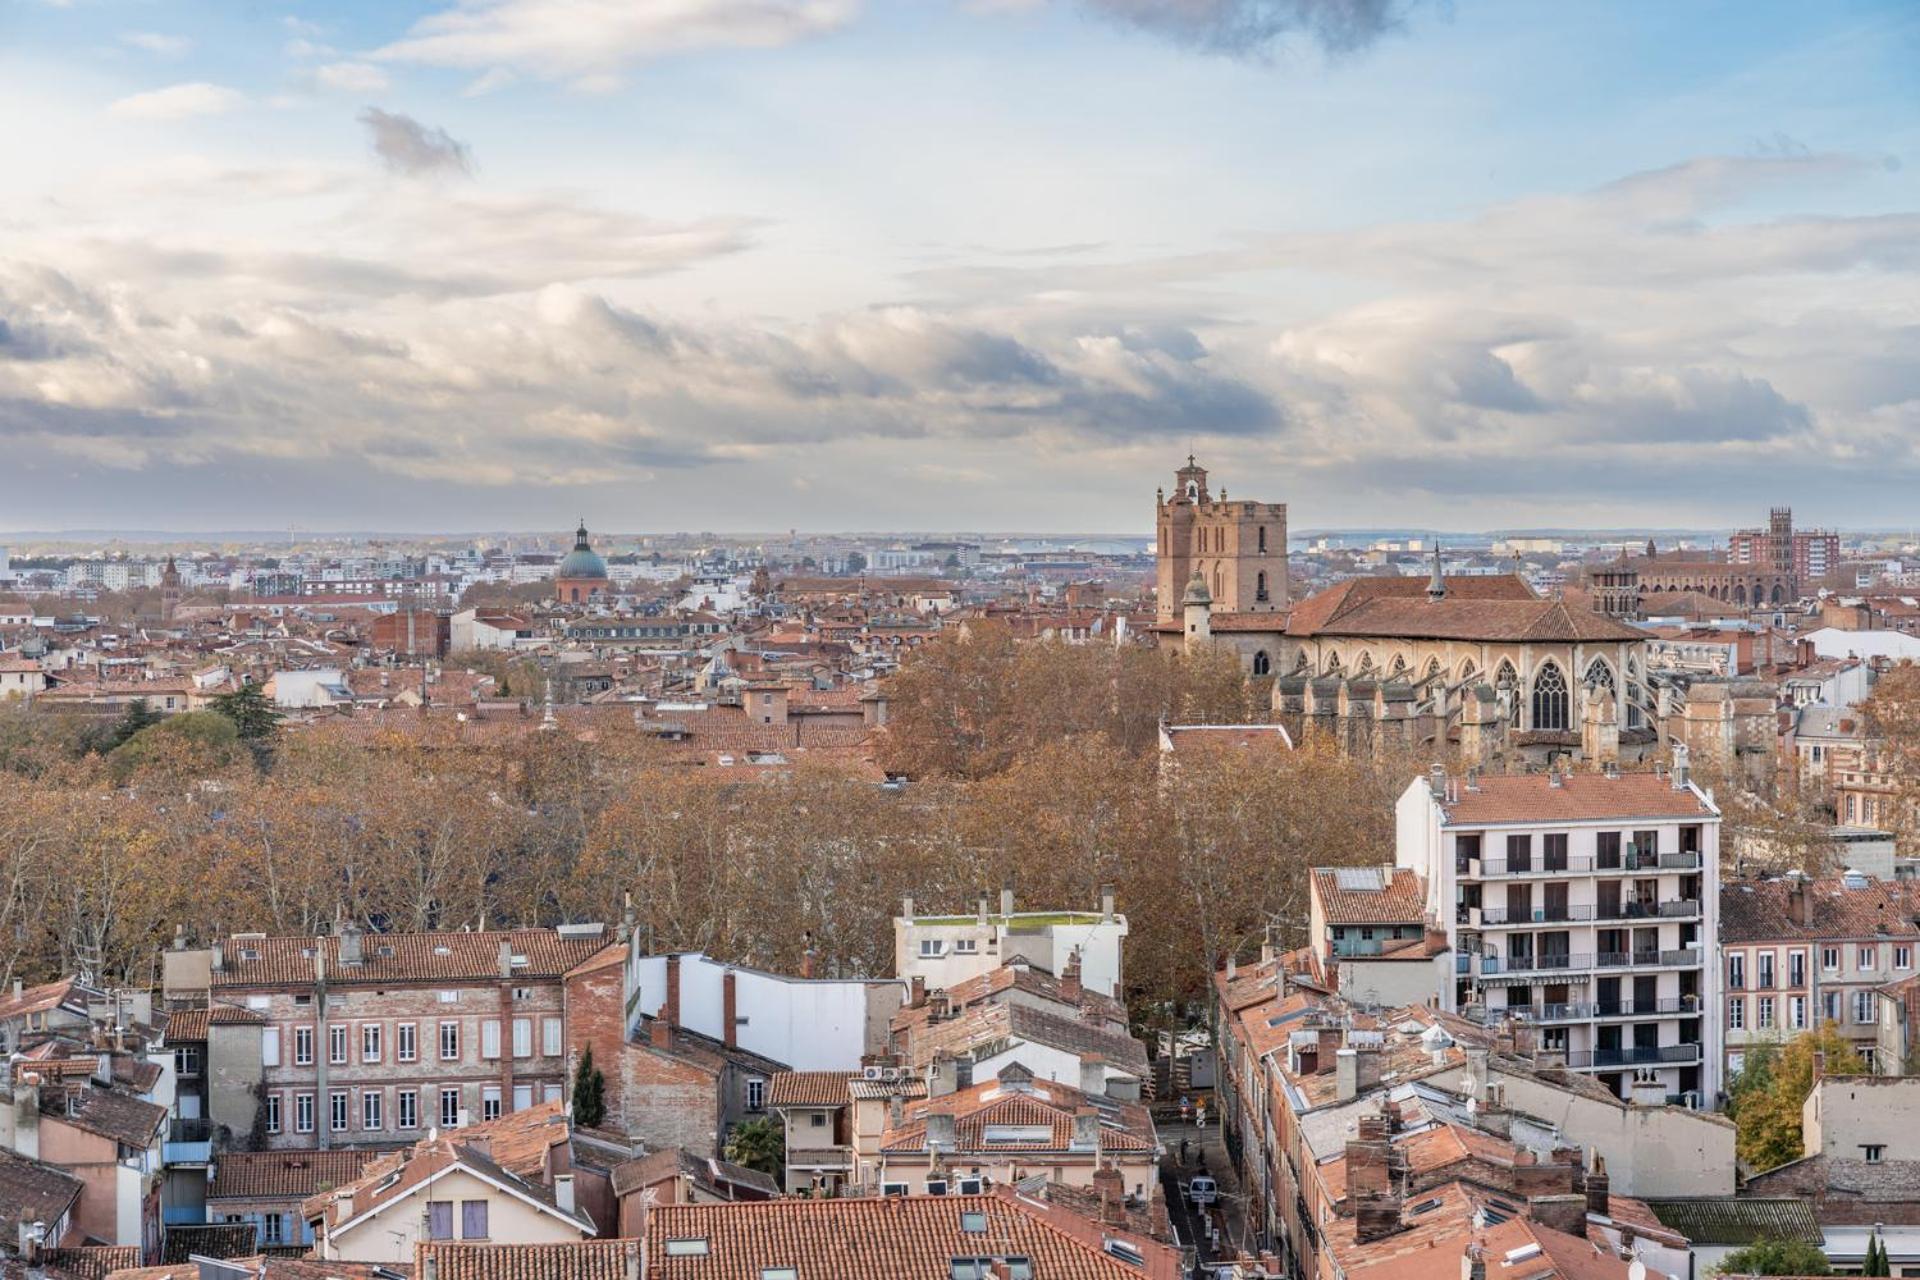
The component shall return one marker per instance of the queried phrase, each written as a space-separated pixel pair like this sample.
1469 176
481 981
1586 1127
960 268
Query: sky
743 265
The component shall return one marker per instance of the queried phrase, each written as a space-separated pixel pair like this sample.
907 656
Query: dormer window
253 953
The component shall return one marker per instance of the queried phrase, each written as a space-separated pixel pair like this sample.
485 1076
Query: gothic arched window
1262 665
1506 675
1549 698
1397 668
1300 662
1333 663
1779 594
1260 586
1600 675
1263 539
1366 664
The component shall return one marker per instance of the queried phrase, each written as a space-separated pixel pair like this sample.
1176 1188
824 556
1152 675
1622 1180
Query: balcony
188 1142
1582 1011
1684 909
1635 1056
1570 864
1536 915
1671 1006
1534 964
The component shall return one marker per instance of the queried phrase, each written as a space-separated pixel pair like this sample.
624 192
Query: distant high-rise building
1803 554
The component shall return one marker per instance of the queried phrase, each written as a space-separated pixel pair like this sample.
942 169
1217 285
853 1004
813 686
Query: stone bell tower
1238 549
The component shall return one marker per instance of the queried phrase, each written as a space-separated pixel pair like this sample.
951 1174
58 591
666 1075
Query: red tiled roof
1042 1104
575 1260
884 1238
284 1175
1763 910
1399 898
192 1024
92 1262
810 1088
1580 797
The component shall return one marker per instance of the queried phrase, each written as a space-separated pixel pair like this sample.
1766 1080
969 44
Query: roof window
687 1247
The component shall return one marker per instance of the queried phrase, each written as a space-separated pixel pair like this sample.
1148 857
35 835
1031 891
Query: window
1830 1006
303 1113
473 1219
303 1046
407 1108
1260 593
406 1042
1763 1012
440 1219
449 1108
1763 970
523 1037
930 947
337 1044
1796 968
973 1222
449 1041
489 1039
966 946
1737 971
490 1102
756 1095
818 1119
1550 698
1903 957
687 1247
370 1106
1863 1007
449 997
273 1228
270 1047
1262 664
1830 959
186 1060
779 1273
1797 1013
550 1031
1869 959
273 1112
1737 1012
1873 1152
370 1042
337 1110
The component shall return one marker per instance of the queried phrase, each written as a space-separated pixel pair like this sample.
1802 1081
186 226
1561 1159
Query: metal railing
1536 915
1583 1010
1534 964
1635 1056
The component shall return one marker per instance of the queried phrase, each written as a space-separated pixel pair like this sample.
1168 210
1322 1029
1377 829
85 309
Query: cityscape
982 640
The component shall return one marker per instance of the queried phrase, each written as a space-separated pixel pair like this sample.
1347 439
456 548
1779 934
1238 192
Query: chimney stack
1346 1067
1106 901
661 1033
1598 1186
1006 898
1086 1129
671 1010
729 1009
1093 1074
942 1135
1112 1188
943 1075
1680 767
1070 977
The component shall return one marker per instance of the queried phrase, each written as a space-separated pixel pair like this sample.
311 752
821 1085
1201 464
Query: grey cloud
1253 28
406 146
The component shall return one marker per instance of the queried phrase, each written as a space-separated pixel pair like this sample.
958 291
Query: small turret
1436 584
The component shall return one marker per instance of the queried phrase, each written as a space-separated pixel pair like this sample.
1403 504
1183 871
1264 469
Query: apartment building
1799 952
373 1039
1584 905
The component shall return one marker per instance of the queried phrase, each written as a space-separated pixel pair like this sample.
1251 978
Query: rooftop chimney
1086 1129
1346 1069
1093 1074
1006 898
671 1009
730 1009
661 1032
1473 1263
943 1075
1598 1186
1106 901
1680 768
1070 977
1112 1188
942 1135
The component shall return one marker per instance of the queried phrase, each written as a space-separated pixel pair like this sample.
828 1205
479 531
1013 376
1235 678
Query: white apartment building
1585 905
945 950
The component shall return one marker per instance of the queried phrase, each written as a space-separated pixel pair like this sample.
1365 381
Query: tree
1876 1263
250 712
589 1092
1776 1258
759 1144
1768 1113
137 716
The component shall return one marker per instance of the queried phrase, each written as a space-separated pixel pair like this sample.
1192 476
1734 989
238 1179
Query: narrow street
1205 1152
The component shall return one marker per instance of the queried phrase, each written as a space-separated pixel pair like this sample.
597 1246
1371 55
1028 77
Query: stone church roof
1490 608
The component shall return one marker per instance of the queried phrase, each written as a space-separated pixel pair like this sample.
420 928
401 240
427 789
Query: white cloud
593 40
156 42
351 77
178 102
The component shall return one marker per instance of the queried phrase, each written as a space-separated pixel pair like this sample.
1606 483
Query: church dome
583 561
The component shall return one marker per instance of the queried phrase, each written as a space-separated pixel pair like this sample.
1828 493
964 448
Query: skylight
687 1247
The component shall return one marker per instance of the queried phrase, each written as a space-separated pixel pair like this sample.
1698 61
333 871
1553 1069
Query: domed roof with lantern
583 561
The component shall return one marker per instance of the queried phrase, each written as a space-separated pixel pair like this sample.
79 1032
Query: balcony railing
1534 964
1536 915
1542 865
1581 1011
188 1142
1683 909
1635 1056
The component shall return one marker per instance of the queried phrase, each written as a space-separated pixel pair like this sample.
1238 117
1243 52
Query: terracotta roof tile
884 1238
1581 797
92 1262
1350 895
284 1175
810 1088
192 1024
1762 910
575 1260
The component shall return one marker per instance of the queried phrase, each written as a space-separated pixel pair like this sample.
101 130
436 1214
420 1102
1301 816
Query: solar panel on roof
1359 879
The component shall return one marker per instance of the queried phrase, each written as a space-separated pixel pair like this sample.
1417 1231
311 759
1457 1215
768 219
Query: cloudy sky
751 264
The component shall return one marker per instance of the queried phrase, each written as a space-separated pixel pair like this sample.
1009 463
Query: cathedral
1482 665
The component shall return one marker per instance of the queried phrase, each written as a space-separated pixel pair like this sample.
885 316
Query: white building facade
1586 907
